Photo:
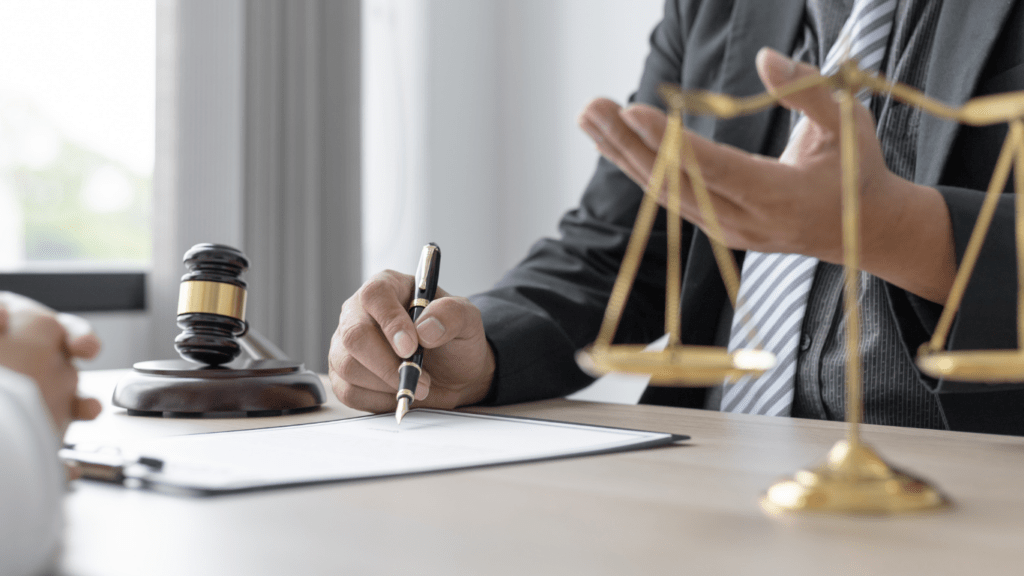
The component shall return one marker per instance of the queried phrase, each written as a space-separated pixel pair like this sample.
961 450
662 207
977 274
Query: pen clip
430 252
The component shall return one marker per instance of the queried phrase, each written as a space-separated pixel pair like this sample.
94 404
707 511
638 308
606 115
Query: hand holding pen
427 272
375 335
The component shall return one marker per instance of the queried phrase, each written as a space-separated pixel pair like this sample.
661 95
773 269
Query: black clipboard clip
109 464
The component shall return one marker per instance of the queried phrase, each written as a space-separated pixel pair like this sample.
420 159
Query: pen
426 287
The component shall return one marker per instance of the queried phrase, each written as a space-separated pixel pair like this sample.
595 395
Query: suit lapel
963 39
754 24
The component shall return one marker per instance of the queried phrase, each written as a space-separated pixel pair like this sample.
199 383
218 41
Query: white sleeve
32 480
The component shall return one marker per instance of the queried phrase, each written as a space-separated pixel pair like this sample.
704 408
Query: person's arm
32 480
793 204
38 399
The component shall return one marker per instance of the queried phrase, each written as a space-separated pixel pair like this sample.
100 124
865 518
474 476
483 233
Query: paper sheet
373 446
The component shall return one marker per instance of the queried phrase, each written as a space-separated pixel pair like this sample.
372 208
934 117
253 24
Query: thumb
777 72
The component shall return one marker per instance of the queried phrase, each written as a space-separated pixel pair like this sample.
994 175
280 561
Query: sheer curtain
470 138
198 169
302 169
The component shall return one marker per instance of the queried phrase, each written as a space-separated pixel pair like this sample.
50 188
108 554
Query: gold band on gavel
201 297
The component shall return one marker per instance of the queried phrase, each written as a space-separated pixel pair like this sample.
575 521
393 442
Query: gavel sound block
209 381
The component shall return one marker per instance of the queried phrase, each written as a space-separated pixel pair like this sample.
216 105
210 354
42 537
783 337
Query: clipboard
353 449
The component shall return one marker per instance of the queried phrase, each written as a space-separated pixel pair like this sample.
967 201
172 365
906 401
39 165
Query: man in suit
776 190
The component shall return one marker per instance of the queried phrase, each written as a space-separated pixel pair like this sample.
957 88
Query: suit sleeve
987 316
552 303
31 479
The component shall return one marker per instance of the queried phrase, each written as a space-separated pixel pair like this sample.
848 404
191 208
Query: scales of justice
853 478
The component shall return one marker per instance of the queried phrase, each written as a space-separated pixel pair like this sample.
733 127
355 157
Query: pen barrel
409 371
417 357
409 375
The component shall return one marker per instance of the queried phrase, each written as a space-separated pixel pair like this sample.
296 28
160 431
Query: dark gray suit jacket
551 304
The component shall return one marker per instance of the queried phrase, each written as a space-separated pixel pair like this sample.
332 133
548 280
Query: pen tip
403 408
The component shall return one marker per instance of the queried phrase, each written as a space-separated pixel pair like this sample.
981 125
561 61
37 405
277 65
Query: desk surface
689 508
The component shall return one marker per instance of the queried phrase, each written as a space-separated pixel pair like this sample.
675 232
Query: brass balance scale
853 478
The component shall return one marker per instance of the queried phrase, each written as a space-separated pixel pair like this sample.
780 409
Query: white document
368 447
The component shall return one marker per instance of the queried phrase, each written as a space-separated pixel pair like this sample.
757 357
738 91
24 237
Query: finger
362 398
446 319
611 153
650 124
615 156
360 355
82 342
86 347
74 470
776 71
735 175
37 326
358 339
688 206
384 297
349 369
443 398
616 140
85 408
647 122
4 319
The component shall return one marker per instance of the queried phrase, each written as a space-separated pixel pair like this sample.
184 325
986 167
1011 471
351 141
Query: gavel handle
259 347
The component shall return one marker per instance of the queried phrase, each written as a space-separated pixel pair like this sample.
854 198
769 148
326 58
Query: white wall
469 119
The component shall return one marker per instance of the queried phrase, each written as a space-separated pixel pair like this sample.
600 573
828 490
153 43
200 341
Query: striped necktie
774 287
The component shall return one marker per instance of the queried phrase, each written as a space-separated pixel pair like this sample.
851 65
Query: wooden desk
685 509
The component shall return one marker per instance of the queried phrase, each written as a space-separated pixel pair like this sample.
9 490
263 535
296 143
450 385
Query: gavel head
211 304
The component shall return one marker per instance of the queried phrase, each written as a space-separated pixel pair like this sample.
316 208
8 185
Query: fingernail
404 344
422 390
789 65
430 330
786 65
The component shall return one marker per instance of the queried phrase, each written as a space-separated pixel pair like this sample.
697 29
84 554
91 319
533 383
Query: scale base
251 388
853 480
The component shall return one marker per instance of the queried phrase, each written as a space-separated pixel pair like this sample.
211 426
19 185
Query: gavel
211 309
211 315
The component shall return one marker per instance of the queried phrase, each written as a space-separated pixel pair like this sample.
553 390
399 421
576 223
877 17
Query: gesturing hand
375 332
793 204
40 343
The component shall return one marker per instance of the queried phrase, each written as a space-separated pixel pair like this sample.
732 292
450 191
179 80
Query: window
77 94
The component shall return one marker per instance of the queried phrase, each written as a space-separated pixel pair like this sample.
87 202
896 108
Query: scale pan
680 366
989 366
